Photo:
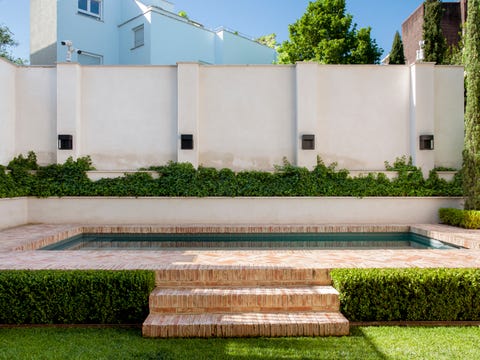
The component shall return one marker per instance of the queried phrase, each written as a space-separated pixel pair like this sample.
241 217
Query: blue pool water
286 241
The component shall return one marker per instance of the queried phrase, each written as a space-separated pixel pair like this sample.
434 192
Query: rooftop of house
167 8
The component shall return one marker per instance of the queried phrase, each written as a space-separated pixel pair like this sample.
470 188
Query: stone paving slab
30 236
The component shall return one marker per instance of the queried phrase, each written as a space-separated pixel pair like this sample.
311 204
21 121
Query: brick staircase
244 302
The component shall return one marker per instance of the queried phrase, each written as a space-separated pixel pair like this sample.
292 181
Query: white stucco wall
242 117
8 110
13 212
128 116
247 116
449 120
285 210
304 210
362 115
36 112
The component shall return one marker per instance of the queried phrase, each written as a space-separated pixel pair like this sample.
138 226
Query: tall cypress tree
397 56
471 153
435 42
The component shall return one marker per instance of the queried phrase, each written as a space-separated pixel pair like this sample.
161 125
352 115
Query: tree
471 152
435 42
6 42
325 34
397 56
268 40
454 54
365 50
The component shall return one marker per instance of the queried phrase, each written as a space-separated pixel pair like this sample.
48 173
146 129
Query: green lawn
363 343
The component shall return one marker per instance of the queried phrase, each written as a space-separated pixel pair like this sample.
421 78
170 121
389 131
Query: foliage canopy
327 34
269 40
7 41
471 153
397 56
435 42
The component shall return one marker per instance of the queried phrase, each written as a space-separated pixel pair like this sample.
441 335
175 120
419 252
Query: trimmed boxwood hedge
121 297
74 297
468 219
409 294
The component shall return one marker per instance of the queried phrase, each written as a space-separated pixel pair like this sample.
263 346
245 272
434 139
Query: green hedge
468 219
182 179
121 297
74 297
409 294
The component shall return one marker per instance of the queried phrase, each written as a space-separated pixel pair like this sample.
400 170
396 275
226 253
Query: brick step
241 276
244 299
246 325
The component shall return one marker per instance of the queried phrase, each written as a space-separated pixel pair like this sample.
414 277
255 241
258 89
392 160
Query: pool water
280 241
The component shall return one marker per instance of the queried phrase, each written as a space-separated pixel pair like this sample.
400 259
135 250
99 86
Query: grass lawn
364 343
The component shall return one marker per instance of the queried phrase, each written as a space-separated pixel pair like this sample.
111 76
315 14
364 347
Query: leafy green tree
365 50
435 42
326 34
397 56
471 153
268 40
454 55
6 43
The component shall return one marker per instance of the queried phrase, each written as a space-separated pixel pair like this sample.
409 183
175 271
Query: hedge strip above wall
182 179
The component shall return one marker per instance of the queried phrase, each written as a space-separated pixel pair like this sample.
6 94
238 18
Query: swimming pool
250 241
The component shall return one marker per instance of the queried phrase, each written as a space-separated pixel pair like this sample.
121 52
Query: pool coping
469 239
55 236
18 249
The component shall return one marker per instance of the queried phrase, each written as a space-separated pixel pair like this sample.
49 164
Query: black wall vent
308 142
186 141
426 142
65 142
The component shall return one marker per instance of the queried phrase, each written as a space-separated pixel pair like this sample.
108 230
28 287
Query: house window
138 36
86 58
90 7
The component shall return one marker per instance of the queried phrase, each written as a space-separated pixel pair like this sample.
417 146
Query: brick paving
17 244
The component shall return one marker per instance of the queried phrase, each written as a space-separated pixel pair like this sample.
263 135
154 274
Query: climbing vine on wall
24 177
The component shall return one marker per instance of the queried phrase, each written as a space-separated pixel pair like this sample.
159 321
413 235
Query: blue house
146 32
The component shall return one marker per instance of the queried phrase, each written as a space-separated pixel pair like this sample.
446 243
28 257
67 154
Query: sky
253 18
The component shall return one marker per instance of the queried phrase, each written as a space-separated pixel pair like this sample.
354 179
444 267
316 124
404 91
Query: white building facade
147 32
